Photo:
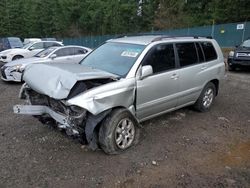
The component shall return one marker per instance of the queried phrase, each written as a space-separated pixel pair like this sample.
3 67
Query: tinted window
209 51
187 54
161 58
200 53
79 51
64 52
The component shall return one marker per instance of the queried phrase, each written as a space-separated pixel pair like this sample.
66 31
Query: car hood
56 80
25 61
14 51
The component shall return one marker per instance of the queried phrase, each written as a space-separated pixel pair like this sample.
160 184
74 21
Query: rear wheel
17 57
118 132
206 98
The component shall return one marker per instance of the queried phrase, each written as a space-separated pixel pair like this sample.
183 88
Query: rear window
209 51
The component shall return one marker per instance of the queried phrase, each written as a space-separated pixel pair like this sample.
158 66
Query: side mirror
146 71
53 56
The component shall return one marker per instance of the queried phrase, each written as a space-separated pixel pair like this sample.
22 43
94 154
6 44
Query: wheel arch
216 84
17 55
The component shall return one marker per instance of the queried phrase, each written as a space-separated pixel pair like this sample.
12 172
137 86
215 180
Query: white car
31 40
27 51
13 70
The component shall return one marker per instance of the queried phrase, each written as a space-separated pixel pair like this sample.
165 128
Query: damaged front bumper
41 110
10 74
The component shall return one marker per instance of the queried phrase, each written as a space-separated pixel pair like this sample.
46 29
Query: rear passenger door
157 93
194 71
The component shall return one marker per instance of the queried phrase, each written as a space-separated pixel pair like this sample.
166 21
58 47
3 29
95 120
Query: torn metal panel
120 93
56 80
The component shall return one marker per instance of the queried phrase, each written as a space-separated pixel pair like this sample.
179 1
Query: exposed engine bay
79 123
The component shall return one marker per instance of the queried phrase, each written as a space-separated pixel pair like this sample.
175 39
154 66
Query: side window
161 58
38 45
64 52
79 51
187 54
200 53
209 51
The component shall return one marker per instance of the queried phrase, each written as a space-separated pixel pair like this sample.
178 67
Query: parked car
31 40
26 51
13 70
49 39
240 57
121 83
10 42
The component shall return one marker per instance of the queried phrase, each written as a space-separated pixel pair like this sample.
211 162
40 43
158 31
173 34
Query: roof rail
137 35
169 36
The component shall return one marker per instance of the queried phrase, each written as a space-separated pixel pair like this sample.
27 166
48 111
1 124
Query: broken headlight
77 111
77 115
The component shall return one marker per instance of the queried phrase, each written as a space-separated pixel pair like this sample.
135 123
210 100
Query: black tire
17 57
201 105
111 127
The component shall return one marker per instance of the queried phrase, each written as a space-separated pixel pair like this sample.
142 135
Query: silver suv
125 81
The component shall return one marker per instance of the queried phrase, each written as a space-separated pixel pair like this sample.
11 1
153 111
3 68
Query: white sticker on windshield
129 54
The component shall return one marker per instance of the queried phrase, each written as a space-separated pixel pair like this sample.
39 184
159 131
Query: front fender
97 100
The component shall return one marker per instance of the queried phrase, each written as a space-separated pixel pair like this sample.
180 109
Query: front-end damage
86 105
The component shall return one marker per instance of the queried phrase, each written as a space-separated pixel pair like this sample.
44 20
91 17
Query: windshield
45 52
246 44
26 46
116 58
15 42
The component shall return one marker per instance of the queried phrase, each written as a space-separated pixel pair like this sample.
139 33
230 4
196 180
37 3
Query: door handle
174 76
203 68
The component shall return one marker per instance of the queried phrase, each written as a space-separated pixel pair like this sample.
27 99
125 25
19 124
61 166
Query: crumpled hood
56 80
25 61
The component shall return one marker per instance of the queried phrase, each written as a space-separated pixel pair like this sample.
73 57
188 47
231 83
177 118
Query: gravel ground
180 149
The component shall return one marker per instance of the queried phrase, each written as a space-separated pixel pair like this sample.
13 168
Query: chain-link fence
227 35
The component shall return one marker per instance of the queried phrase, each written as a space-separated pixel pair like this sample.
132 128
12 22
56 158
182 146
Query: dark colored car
240 57
10 42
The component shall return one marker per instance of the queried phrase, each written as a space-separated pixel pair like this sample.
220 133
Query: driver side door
157 93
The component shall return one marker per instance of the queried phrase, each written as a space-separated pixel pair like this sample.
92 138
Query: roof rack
137 35
169 36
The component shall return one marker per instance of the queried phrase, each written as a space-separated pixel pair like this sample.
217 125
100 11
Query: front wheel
206 98
118 132
17 57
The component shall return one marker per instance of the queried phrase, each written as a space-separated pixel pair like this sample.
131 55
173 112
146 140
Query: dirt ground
180 149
